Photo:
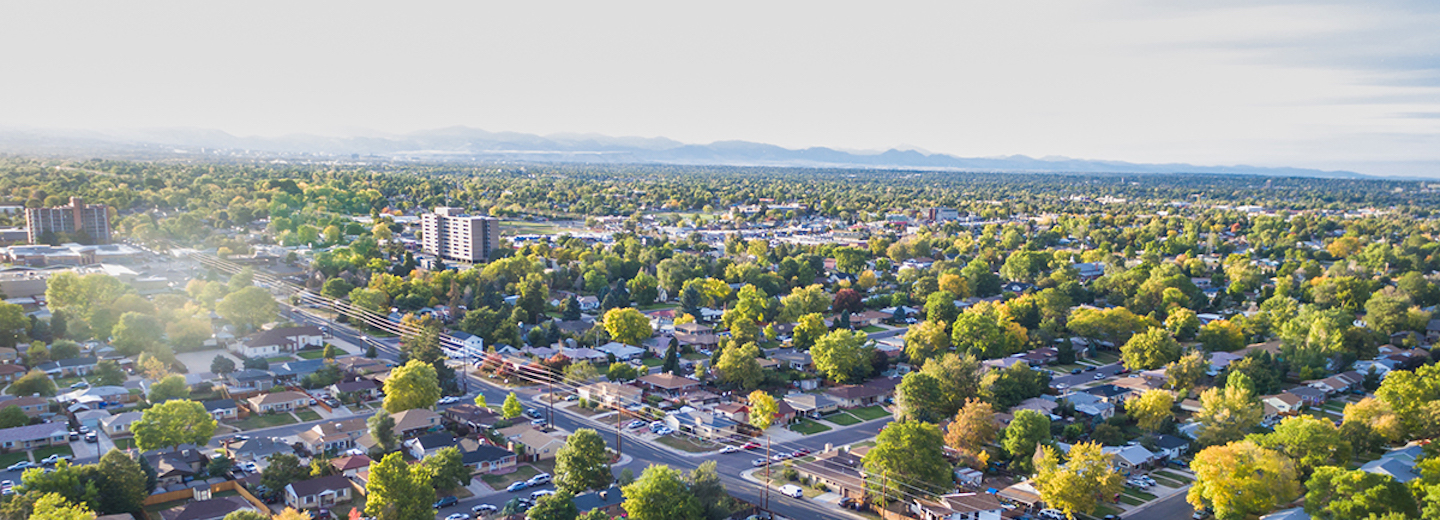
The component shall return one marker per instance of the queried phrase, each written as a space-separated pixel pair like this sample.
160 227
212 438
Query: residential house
9 355
669 384
793 359
10 372
1093 406
319 493
1309 395
248 381
409 423
208 509
958 506
696 335
737 412
279 402
622 351
281 339
1130 457
291 372
841 471
1089 271
334 435
1294 513
222 409
428 444
91 418
871 392
350 465
609 501
868 319
80 366
582 354
258 448
361 389
1338 383
1170 446
100 396
484 458
1398 463
476 418
539 445
119 425
471 346
784 413
1041 356
707 426
812 405
1285 403
1109 393
33 406
360 365
177 466
1220 360
33 436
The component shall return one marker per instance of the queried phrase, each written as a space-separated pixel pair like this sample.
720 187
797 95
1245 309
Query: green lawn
870 413
653 361
658 307
124 443
1101 510
1174 476
258 421
280 359
842 419
1166 482
311 354
809 427
687 444
10 458
308 415
872 328
1136 493
63 449
693 356
500 482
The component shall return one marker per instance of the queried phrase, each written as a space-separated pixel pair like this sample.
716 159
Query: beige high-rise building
92 220
452 235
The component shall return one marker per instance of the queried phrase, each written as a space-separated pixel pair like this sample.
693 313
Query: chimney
604 494
829 446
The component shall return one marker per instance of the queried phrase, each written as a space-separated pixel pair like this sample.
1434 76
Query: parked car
74 435
751 446
518 486
538 480
637 423
1052 514
532 413
792 490
729 449
79 385
56 458
484 509
800 453
21 466
458 516
536 495
446 501
759 462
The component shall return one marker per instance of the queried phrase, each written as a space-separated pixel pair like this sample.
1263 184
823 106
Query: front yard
63 449
311 354
308 415
870 413
257 421
500 482
809 427
10 458
687 444
842 419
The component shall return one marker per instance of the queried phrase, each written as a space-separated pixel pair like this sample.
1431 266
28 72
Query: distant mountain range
469 144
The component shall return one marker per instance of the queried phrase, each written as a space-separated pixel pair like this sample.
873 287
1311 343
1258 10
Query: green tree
808 330
974 428
1241 479
920 397
512 407
52 506
121 483
136 333
1412 396
1009 387
414 385
925 340
811 299
582 463
621 372
34 382
740 366
12 416
1152 410
398 491
912 452
480 400
1151 349
172 387
627 325
1075 487
1334 493
762 410
709 491
336 288
222 365
12 324
172 423
1026 431
248 308
842 356
557 506
580 372
672 358
76 483
373 300
247 514
446 469
330 352
283 469
1221 336
1182 374
1308 441
570 308
986 333
1227 414
382 430
1183 324
660 494
64 349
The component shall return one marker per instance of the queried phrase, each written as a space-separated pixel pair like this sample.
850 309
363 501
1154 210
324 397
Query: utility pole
768 460
619 439
550 401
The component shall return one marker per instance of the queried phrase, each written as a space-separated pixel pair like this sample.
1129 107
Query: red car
752 446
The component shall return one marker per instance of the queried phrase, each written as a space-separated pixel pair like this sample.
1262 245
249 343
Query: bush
790 474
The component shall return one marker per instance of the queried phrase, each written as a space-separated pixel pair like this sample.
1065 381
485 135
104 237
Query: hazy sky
1336 85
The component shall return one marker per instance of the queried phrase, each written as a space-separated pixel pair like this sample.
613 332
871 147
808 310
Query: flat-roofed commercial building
452 235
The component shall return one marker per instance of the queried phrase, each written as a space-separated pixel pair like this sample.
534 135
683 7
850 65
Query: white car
536 495
538 480
729 449
1052 514
458 516
484 509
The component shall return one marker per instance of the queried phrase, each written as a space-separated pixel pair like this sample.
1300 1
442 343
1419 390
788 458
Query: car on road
79 385
537 422
1100 376
538 480
1075 371
664 431
536 495
483 509
458 516
449 399
22 466
759 462
751 446
446 501
518 486
800 453
729 449
532 413
780 457
1201 513
55 459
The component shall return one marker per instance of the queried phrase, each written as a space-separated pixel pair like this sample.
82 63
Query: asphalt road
1071 381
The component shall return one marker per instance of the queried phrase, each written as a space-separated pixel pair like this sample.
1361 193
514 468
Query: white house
471 346
622 351
958 506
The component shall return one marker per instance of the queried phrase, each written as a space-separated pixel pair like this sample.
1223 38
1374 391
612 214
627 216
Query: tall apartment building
91 219
452 235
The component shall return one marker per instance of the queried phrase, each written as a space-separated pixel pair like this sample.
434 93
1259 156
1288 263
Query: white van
792 490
